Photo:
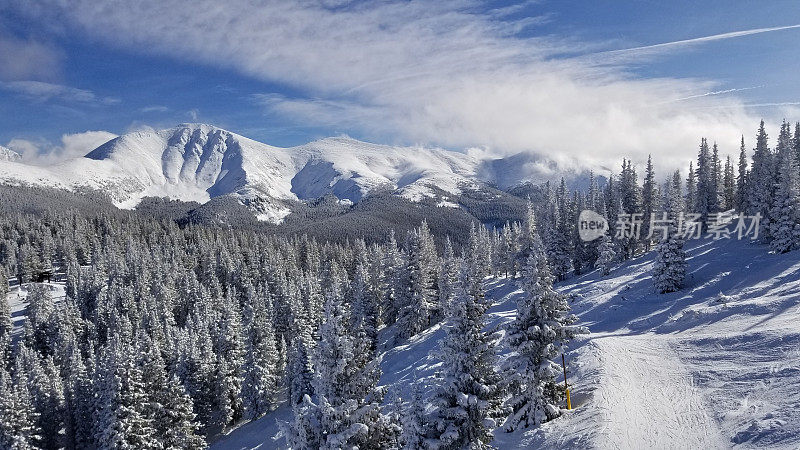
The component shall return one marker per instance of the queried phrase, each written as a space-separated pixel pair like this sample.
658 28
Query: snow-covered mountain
6 154
196 162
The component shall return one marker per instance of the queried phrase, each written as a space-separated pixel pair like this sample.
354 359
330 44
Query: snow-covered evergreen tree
413 421
259 369
649 200
18 418
606 255
742 188
468 396
448 275
691 191
557 247
669 268
762 193
178 419
728 186
420 294
5 309
299 372
540 329
121 398
364 309
785 211
346 411
394 278
706 202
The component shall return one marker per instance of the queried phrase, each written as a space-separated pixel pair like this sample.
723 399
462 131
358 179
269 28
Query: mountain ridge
198 162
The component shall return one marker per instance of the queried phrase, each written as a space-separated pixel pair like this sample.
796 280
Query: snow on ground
17 302
716 365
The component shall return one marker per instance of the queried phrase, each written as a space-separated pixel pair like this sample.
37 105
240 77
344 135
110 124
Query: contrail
709 94
713 37
758 105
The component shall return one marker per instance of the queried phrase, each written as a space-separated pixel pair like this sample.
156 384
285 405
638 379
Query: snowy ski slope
715 365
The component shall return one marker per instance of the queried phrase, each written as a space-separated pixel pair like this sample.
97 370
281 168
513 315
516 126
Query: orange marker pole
566 387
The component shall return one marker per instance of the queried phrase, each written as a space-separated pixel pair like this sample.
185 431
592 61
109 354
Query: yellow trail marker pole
566 387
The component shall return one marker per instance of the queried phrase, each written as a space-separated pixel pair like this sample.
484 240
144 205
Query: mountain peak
6 154
204 127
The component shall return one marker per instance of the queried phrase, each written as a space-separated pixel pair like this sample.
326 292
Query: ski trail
647 399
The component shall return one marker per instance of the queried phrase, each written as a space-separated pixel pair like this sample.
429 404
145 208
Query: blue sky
542 76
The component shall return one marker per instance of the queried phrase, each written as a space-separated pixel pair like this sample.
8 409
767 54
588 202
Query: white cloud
433 72
72 146
79 144
40 91
154 108
25 59
29 149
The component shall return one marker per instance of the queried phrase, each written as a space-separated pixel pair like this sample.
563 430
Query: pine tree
796 140
394 278
120 421
728 186
762 193
468 397
78 398
299 372
742 187
649 200
691 191
629 202
414 424
717 175
706 202
669 268
304 430
508 251
448 275
557 248
6 326
785 211
528 236
606 255
18 418
178 419
346 413
5 309
420 302
46 394
227 371
539 331
673 200
42 323
260 378
364 310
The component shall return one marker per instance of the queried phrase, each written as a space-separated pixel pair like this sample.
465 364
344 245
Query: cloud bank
71 146
442 73
26 59
40 91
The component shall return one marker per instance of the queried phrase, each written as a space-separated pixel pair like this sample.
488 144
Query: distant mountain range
198 162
